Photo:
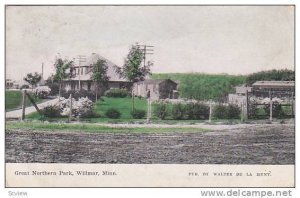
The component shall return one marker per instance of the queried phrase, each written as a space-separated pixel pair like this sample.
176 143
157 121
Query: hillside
203 86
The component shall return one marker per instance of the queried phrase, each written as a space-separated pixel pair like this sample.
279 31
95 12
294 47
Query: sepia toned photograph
179 87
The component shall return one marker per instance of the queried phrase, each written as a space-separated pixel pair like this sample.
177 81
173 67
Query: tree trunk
97 92
132 96
59 91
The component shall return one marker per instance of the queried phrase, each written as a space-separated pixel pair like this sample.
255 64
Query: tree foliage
61 68
33 78
276 75
133 69
99 72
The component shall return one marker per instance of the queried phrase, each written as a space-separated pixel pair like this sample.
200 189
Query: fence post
23 104
271 106
210 111
70 114
246 106
242 111
292 104
148 110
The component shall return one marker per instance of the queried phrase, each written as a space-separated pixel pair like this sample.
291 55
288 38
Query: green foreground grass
13 100
76 127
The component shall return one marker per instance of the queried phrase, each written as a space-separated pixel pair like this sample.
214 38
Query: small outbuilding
159 89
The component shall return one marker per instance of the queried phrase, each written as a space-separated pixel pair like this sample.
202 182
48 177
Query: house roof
274 83
93 58
153 81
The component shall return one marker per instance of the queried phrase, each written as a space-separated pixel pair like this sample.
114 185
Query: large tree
61 67
99 74
133 69
33 79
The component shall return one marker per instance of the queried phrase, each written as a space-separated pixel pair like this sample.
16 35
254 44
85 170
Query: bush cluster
42 91
161 110
197 111
277 110
83 107
117 93
226 112
191 111
76 94
113 113
178 111
138 113
51 111
54 88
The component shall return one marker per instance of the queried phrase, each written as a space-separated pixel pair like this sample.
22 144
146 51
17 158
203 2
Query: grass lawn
124 105
55 127
13 100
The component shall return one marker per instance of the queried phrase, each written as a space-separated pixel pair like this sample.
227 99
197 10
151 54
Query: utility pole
71 108
147 50
81 59
247 105
42 71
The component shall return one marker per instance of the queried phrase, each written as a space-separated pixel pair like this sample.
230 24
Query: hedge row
196 111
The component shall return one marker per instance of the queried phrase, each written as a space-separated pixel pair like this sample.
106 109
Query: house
159 89
274 86
277 88
81 76
11 84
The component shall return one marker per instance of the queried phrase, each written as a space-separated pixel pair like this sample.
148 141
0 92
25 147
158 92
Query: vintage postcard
150 96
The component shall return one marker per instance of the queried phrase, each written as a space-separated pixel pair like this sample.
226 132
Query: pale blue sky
208 39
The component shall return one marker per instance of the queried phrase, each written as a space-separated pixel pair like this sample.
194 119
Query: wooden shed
159 89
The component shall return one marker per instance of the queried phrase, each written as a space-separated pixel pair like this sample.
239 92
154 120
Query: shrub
160 110
117 93
51 111
178 111
76 94
138 113
220 111
233 111
226 112
197 111
42 91
253 111
277 110
54 88
24 87
113 113
83 107
91 115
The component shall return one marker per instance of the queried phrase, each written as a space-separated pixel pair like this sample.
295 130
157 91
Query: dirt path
17 114
264 144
